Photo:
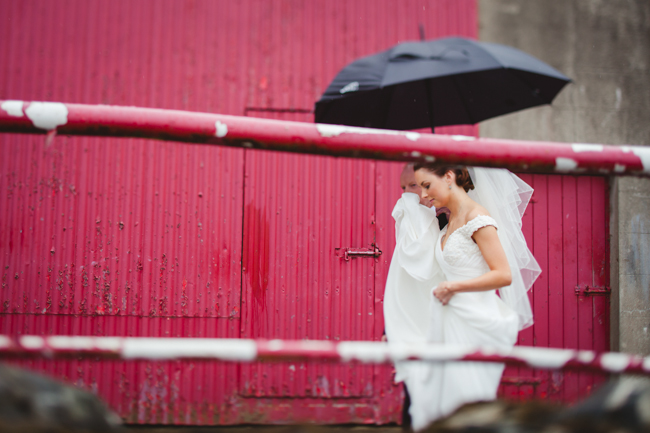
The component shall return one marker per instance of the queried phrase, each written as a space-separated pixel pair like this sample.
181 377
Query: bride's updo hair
463 179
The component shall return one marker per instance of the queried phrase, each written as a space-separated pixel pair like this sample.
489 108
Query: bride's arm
499 275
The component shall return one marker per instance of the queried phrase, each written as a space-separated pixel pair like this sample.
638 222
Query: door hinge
348 253
589 290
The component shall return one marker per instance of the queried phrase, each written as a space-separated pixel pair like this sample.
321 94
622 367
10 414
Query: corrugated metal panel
120 227
225 56
298 210
143 392
123 237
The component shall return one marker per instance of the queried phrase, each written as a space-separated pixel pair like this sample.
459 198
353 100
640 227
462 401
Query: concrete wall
604 46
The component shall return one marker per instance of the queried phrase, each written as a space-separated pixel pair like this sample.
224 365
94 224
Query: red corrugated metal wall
132 237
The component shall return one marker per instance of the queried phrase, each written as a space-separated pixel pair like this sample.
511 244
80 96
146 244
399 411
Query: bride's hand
444 292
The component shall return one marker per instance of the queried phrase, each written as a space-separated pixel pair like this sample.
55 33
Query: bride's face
434 187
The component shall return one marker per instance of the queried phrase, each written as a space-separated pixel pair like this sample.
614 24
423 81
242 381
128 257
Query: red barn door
567 228
301 213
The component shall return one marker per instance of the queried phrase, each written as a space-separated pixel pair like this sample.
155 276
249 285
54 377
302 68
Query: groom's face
408 184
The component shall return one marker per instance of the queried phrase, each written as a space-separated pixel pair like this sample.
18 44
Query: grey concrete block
603 25
599 126
510 22
635 332
637 122
610 92
635 252
547 123
633 213
634 293
634 187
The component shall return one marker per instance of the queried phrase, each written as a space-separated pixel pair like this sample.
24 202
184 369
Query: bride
442 285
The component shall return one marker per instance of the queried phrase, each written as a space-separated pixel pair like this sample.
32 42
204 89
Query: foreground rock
33 403
622 406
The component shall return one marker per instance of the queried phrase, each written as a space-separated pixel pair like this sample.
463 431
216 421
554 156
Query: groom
408 184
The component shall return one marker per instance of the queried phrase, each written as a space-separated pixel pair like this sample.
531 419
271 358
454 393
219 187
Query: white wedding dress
412 315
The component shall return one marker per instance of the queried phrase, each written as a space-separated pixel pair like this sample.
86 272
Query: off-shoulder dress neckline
447 236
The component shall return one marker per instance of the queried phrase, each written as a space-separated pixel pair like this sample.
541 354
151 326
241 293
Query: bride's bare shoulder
476 211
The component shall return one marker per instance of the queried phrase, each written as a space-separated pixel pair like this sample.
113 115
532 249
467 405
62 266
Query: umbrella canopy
450 81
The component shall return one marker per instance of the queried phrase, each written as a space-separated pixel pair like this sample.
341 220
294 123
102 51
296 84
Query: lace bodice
460 246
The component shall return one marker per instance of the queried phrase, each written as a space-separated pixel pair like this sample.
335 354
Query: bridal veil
505 196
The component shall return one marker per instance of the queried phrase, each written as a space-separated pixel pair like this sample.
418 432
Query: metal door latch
521 381
348 253
589 290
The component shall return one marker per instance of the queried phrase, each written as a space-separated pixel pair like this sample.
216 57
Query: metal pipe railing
245 350
334 140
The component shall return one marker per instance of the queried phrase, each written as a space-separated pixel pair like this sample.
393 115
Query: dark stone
30 402
619 406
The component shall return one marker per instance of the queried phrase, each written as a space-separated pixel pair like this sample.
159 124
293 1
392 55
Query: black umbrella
451 81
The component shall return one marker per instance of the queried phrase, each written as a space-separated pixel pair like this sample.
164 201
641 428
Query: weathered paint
585 147
140 228
221 129
326 130
47 115
333 140
644 156
13 108
565 165
463 138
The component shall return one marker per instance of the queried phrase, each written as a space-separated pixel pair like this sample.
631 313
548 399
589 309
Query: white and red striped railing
243 350
536 156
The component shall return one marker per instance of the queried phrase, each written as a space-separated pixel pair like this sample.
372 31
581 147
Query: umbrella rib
488 52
